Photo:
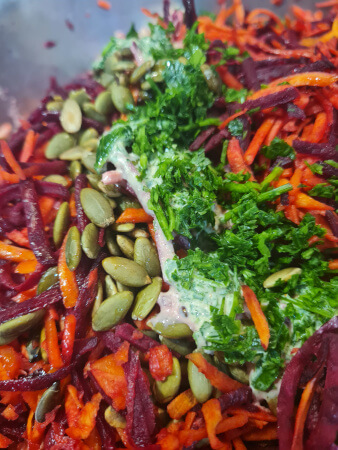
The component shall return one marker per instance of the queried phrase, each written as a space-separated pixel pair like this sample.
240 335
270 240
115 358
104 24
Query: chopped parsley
278 147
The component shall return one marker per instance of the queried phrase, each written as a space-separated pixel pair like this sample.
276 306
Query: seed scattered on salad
168 241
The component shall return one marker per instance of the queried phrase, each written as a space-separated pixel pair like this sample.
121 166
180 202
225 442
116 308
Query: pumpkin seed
71 116
121 287
121 98
106 79
114 419
44 355
199 384
126 245
48 279
87 135
173 330
89 241
113 248
126 202
73 154
90 111
123 227
112 202
145 254
11 329
58 179
140 71
103 103
94 179
146 299
61 223
156 76
112 311
109 63
138 232
54 105
122 66
73 250
80 96
281 275
33 350
166 390
239 374
110 286
181 346
109 189
96 207
75 169
126 271
88 160
48 401
91 145
98 298
212 79
59 144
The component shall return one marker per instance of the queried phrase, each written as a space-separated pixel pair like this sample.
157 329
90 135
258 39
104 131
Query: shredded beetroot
250 75
52 190
323 151
125 331
239 397
82 219
36 233
190 13
333 221
272 100
201 138
140 409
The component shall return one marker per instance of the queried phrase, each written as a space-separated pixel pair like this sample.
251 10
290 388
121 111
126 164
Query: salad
168 242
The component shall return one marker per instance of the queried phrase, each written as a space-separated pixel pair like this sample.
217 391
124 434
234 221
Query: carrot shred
189 420
305 201
181 404
53 350
28 146
212 415
11 161
235 158
333 264
319 79
160 362
238 444
134 215
258 317
268 433
25 295
68 338
258 140
19 237
25 267
152 231
104 4
217 378
67 279
319 128
15 254
229 119
259 415
5 441
230 423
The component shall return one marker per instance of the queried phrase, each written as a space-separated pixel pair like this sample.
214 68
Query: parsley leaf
234 95
278 147
236 128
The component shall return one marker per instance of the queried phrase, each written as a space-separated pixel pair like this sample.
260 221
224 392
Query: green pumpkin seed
96 207
239 374
42 340
103 103
138 232
145 254
122 66
94 180
106 79
123 227
109 63
126 245
110 286
91 145
87 135
146 299
212 78
112 202
88 160
140 71
121 98
126 271
121 287
75 169
71 116
80 96
109 189
173 330
113 248
73 154
54 105
89 241
281 275
98 298
145 86
11 329
166 390
58 179
126 202
199 384
90 111
61 224
59 144
112 311
181 346
48 279
48 401
33 350
73 249
114 419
